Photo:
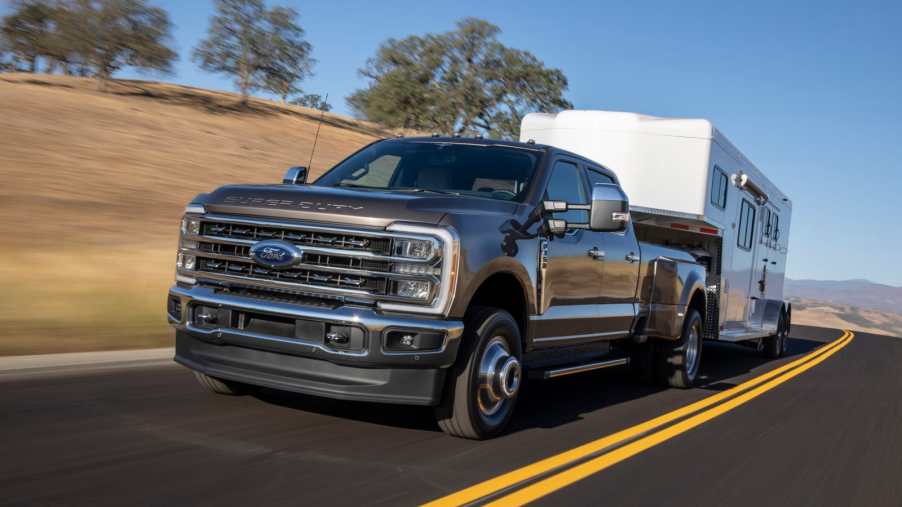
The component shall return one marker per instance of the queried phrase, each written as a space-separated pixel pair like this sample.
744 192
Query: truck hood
346 206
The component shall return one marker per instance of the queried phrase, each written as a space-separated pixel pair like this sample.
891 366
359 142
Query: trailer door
758 282
742 270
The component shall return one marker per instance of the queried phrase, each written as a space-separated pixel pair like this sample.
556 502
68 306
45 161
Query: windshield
491 171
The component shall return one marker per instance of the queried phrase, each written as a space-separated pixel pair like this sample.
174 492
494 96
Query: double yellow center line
543 477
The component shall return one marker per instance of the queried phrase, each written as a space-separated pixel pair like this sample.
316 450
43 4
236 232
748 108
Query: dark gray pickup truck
431 271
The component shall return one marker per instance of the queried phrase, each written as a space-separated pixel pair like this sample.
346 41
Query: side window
566 184
719 185
596 177
746 232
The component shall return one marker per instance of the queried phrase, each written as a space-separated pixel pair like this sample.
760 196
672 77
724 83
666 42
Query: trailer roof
615 120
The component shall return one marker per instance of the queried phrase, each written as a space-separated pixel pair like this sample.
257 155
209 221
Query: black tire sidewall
498 323
687 326
672 368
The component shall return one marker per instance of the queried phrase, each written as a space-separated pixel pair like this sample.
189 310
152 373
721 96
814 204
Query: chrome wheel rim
693 344
499 378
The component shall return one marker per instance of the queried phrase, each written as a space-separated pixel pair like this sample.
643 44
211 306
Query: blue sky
810 91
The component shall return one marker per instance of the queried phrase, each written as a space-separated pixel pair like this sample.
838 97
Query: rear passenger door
621 269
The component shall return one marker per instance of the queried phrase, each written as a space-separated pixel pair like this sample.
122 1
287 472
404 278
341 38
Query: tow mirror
608 212
610 209
295 176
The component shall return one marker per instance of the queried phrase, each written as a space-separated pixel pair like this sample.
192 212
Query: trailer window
776 227
746 226
719 188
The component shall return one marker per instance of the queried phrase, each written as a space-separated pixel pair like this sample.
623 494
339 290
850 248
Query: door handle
632 257
596 254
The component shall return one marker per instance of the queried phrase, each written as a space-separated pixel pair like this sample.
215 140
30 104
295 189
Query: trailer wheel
677 362
220 386
483 385
775 346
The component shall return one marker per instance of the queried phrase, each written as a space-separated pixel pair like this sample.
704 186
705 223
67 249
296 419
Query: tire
775 346
484 383
220 386
677 362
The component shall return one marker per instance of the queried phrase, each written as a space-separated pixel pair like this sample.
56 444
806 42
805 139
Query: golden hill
94 185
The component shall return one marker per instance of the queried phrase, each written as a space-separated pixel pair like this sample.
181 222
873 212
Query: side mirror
610 209
295 176
608 212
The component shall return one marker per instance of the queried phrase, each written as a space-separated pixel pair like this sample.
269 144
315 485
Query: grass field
94 185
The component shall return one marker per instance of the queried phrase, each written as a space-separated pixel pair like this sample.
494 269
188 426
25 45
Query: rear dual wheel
677 362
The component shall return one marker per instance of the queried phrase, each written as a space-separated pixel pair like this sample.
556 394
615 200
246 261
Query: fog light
413 289
413 340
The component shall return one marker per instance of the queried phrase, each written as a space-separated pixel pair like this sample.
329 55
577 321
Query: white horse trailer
690 187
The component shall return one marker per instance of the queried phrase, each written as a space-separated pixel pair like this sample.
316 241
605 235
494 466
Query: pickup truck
435 271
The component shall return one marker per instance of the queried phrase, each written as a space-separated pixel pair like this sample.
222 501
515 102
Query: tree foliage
313 101
96 37
27 30
462 82
111 34
261 48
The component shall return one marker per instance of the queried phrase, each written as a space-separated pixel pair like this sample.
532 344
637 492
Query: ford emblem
276 254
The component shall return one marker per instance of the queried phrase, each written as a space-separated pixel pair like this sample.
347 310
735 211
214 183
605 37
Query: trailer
690 187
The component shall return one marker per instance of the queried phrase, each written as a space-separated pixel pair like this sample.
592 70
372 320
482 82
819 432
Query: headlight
415 248
191 226
413 289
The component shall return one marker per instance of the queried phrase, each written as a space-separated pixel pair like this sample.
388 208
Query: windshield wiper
429 190
354 185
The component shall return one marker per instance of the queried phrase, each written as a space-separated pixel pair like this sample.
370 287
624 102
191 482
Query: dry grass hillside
840 316
93 185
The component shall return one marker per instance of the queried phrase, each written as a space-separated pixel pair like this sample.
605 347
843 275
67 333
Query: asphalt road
149 435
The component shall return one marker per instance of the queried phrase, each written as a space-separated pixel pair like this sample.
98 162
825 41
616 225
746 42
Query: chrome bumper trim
372 322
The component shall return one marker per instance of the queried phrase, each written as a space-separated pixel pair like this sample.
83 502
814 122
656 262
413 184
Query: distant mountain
856 293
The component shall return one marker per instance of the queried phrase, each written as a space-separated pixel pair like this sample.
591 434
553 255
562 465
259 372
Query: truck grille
335 264
300 237
372 284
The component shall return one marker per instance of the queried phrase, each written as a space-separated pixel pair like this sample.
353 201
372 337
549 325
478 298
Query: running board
579 368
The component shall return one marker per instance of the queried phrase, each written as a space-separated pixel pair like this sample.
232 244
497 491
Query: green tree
27 29
463 82
261 48
313 101
107 35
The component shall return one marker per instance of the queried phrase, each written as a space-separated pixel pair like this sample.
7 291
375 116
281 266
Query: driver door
573 280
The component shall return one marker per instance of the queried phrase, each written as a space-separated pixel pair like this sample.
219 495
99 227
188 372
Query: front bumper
307 363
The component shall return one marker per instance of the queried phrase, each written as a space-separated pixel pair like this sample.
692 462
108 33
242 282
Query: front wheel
678 361
483 384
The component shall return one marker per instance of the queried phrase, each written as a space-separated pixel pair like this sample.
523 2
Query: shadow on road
554 403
